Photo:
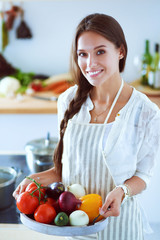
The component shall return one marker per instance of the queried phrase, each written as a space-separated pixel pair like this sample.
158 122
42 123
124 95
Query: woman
109 132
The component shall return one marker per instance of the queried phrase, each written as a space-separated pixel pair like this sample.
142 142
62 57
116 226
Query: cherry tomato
45 213
26 203
32 187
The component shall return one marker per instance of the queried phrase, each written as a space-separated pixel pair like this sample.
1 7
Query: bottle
146 64
156 83
154 74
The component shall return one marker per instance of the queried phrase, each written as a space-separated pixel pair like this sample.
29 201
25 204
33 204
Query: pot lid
42 146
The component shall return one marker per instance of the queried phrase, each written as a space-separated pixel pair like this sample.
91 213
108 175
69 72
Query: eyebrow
100 46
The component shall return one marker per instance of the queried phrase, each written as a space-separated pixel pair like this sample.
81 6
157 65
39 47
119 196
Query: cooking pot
39 153
8 176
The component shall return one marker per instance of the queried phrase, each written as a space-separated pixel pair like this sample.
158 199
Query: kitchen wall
53 24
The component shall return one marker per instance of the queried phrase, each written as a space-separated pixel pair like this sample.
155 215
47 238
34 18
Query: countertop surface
19 232
28 105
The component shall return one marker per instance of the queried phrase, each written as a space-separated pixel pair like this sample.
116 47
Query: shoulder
66 97
64 100
146 105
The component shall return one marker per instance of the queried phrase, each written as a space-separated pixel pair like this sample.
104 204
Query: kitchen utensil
65 230
46 98
94 220
8 176
39 153
23 31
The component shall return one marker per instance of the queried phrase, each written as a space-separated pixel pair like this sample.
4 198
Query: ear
121 52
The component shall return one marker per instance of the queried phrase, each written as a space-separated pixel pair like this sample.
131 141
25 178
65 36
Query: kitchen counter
156 100
19 232
28 105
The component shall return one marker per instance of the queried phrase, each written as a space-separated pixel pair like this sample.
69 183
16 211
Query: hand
46 177
112 204
21 188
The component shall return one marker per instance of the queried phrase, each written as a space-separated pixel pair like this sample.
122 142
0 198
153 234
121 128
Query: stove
11 214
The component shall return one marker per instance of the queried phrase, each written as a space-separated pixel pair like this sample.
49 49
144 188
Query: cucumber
61 219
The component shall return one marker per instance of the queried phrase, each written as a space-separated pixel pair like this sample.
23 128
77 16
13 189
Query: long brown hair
109 28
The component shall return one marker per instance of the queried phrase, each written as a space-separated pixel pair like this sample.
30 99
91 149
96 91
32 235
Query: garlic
77 189
78 218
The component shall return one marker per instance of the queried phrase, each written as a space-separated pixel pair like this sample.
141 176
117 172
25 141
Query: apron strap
114 102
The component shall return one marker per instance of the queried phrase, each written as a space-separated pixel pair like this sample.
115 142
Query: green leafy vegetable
24 78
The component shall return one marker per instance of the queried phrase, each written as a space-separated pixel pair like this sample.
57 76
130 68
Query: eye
100 52
82 54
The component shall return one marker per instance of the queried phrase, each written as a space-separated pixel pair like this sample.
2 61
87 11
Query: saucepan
39 153
8 176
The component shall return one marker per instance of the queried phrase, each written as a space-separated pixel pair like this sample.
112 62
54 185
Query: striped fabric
83 163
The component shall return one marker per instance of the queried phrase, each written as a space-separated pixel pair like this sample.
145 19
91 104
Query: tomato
36 86
54 203
45 213
26 203
32 187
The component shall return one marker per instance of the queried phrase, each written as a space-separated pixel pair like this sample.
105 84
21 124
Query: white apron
84 162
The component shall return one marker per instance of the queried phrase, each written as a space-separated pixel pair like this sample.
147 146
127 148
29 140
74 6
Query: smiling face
98 58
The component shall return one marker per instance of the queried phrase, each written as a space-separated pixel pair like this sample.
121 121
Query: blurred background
53 23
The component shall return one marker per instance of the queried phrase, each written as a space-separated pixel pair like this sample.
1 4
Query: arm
145 163
46 177
113 201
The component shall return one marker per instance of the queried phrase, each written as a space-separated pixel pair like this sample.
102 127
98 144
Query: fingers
114 210
110 208
20 189
112 204
16 192
106 207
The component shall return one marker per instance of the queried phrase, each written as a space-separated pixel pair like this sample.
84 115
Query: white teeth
93 73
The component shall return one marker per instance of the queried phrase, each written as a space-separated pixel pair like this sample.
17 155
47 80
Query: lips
94 73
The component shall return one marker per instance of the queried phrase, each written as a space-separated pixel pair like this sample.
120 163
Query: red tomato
32 187
45 213
26 203
54 203
36 86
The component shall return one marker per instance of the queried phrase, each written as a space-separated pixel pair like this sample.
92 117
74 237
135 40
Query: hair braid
74 107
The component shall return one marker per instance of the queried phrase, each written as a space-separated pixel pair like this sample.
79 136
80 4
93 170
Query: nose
91 61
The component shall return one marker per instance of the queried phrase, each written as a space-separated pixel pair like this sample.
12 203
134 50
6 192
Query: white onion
9 85
77 189
78 218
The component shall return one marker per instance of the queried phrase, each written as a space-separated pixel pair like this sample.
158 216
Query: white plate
65 230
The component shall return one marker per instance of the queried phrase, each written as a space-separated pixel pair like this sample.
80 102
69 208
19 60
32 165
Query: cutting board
27 104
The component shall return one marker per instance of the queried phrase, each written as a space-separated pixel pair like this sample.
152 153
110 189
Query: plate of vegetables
56 211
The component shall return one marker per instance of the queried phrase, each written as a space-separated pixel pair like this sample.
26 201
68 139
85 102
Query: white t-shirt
132 142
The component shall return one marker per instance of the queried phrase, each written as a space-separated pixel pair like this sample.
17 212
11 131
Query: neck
105 93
